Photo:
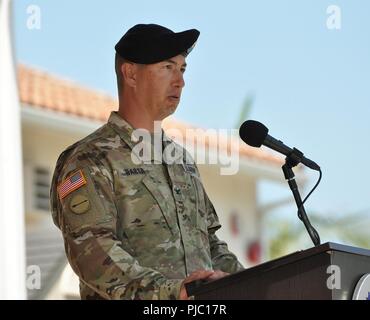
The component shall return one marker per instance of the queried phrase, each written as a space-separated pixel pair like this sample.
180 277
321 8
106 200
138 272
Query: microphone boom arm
291 161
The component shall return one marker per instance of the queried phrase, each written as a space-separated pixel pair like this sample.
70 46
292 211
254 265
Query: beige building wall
233 195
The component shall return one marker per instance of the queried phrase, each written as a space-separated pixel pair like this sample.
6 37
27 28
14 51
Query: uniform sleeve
87 217
222 258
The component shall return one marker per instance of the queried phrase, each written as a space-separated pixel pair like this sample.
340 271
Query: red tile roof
40 89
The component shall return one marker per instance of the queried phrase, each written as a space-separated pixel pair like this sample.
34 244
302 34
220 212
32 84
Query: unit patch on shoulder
79 204
72 183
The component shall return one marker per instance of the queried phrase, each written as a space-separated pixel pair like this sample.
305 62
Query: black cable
310 229
313 189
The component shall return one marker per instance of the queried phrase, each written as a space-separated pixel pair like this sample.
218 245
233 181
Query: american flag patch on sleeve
72 183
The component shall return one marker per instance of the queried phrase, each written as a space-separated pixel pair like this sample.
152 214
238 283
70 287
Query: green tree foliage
288 236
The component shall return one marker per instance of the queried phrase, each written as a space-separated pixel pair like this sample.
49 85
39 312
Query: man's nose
179 80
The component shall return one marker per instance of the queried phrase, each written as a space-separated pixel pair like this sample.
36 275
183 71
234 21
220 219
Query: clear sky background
311 84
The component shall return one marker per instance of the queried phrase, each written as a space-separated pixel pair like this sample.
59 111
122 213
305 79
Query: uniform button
177 189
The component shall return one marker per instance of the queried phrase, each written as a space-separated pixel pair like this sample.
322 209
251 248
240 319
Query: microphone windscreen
253 133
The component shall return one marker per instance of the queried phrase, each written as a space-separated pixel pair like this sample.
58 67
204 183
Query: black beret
152 43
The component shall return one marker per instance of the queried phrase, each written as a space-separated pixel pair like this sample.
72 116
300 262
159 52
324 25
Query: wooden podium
327 272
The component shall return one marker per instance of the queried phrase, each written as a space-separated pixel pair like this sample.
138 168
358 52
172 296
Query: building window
41 188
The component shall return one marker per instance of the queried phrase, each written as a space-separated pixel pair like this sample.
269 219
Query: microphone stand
293 159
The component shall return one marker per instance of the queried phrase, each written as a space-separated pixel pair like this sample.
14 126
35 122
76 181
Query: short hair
118 63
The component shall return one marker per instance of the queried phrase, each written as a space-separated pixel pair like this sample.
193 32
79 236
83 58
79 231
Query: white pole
12 231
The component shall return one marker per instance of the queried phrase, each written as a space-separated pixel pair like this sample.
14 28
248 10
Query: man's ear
129 71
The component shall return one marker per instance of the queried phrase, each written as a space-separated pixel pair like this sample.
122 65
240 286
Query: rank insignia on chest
70 184
190 168
132 171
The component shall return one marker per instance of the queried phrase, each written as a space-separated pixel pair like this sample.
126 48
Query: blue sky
311 84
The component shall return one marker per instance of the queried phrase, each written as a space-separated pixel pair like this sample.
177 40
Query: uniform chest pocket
200 202
143 206
201 224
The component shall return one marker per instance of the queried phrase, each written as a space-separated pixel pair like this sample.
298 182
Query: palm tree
245 110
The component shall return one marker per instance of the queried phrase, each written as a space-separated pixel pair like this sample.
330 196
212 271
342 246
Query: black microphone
255 134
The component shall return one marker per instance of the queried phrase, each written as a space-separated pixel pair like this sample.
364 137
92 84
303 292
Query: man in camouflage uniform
137 230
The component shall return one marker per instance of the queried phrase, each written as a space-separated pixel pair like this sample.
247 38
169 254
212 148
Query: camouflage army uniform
133 231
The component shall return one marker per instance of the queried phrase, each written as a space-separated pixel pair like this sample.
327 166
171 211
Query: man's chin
170 109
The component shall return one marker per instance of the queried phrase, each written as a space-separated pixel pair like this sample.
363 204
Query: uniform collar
122 128
130 136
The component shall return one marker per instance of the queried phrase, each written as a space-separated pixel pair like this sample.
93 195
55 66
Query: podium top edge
325 247
344 248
